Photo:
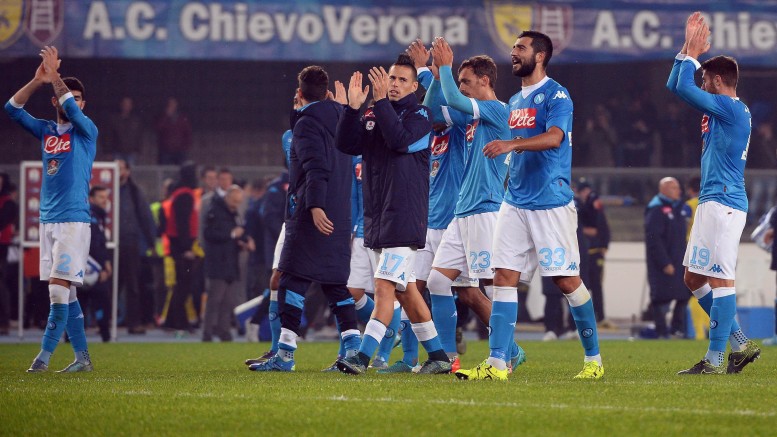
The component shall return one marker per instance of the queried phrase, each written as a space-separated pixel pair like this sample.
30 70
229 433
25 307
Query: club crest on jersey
471 128
705 124
54 145
370 125
440 144
435 168
539 98
523 118
52 167
357 171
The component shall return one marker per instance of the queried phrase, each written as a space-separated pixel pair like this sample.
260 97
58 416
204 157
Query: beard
525 69
62 115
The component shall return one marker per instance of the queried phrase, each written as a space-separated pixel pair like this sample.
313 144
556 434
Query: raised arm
435 100
81 122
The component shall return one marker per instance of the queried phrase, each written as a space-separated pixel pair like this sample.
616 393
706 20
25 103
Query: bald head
670 188
234 197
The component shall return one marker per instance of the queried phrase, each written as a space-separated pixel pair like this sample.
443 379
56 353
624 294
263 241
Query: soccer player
68 147
711 256
318 228
537 221
466 245
393 138
274 191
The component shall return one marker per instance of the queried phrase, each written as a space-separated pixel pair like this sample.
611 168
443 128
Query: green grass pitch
204 389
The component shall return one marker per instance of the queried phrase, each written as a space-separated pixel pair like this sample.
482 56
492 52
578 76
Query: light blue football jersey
68 153
445 175
725 133
482 188
540 180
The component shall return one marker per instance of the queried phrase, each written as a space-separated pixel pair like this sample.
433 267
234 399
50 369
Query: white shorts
64 249
395 264
714 242
467 246
276 259
526 240
425 257
362 266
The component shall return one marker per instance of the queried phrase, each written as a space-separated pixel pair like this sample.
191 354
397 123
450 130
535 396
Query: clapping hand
418 53
356 95
442 53
50 65
380 83
341 96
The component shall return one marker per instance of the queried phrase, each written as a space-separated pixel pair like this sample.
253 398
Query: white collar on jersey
525 91
64 127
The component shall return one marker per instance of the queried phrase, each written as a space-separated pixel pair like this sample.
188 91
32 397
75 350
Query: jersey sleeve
715 104
286 145
425 77
33 125
559 111
454 117
671 83
409 134
83 124
434 100
349 133
453 96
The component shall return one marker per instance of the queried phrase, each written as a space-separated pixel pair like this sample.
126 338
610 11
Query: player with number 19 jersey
540 180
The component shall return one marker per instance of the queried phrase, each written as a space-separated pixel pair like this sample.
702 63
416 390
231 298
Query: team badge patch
539 98
587 332
435 168
370 125
52 167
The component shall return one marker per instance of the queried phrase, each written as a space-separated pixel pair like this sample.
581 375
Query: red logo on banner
440 144
471 128
705 124
524 118
55 145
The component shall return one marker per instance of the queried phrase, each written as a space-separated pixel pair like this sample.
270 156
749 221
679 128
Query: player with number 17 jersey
540 180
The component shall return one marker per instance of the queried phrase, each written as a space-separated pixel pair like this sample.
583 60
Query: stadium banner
584 31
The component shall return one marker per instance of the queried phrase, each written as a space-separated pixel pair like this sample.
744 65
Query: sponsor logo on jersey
560 95
523 118
357 171
52 167
705 124
471 128
440 144
54 145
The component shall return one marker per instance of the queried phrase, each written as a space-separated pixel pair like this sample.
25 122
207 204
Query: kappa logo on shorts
572 266
401 277
716 269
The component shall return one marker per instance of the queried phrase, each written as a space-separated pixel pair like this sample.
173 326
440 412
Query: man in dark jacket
318 221
393 138
225 237
597 231
665 221
98 297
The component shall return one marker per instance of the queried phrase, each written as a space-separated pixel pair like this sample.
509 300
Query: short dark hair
406 61
313 83
74 84
96 189
724 66
694 183
540 43
481 65
206 169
